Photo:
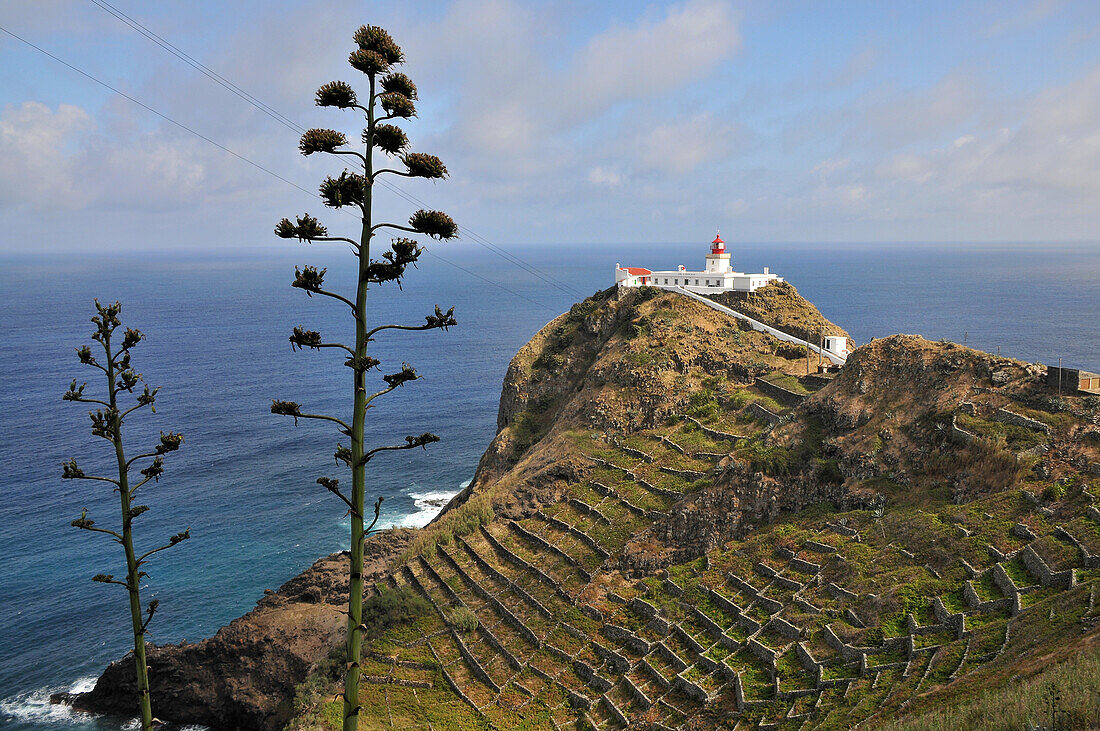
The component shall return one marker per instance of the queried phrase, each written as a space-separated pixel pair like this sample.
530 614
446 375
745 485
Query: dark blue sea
217 329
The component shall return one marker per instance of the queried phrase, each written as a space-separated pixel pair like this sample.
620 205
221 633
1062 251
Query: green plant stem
132 579
354 640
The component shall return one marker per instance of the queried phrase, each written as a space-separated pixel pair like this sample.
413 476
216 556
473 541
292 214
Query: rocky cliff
682 521
245 675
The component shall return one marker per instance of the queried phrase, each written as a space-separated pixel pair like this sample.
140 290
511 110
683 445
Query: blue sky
569 121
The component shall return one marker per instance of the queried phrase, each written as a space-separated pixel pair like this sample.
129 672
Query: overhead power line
148 108
242 158
295 127
193 63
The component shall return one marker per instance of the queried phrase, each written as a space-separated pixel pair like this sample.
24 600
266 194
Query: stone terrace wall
780 394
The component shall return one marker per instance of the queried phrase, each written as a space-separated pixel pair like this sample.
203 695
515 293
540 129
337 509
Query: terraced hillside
678 528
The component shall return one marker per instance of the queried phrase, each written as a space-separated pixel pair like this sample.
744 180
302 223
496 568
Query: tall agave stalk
107 422
391 96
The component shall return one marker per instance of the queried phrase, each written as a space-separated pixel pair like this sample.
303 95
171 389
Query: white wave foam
34 706
429 504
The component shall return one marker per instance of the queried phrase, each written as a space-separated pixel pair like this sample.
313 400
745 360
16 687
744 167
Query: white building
717 277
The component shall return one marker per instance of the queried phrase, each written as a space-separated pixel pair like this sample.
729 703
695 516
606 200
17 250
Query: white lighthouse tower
718 260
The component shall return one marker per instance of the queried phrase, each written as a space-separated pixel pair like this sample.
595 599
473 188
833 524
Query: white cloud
602 176
60 159
906 166
891 118
736 208
36 145
681 145
858 65
827 167
1046 162
553 127
523 108
655 56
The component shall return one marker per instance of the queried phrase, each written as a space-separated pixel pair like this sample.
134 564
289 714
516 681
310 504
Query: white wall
719 282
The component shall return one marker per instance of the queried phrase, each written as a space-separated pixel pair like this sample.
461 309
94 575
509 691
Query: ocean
244 481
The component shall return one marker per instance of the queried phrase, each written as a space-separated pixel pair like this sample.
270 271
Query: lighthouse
716 277
718 260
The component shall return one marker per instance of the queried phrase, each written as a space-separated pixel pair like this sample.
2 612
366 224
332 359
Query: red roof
717 240
638 271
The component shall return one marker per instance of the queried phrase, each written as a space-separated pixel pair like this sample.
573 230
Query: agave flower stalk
391 96
107 421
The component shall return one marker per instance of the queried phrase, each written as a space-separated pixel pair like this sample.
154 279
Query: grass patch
787 381
460 521
1024 704
1011 436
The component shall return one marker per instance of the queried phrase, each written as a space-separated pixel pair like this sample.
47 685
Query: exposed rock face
626 360
544 373
244 676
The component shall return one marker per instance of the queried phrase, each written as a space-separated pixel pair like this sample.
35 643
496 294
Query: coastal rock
245 675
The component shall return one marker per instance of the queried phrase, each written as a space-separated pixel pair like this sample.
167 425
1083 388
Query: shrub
638 328
527 429
462 619
549 361
771 460
703 404
737 398
310 694
828 470
391 607
1054 491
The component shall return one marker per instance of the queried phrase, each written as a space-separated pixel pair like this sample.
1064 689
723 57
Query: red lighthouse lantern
718 246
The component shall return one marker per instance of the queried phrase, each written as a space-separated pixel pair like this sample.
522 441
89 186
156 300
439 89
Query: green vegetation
791 351
532 423
392 607
779 461
107 422
1011 436
703 405
554 583
787 381
462 619
391 96
1072 686
1054 491
460 521
779 305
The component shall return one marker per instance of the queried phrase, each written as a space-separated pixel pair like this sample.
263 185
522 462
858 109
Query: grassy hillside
696 534
780 306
